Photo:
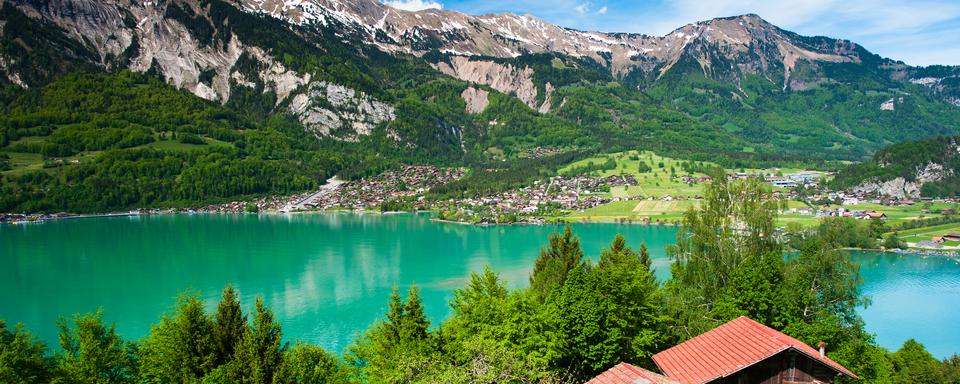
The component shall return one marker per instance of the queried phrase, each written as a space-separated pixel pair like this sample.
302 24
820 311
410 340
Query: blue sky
920 32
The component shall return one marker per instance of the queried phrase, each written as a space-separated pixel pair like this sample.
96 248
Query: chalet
868 215
951 237
740 351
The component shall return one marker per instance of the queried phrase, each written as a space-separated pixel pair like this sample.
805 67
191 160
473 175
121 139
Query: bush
189 138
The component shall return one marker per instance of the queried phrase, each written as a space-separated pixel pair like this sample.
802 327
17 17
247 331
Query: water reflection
328 276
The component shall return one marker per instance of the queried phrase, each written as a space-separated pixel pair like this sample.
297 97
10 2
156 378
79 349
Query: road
332 184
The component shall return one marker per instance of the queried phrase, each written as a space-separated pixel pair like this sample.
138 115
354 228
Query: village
564 197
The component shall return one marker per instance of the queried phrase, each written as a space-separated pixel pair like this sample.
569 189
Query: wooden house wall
777 370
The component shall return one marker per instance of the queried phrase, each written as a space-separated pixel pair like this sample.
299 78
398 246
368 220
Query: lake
328 276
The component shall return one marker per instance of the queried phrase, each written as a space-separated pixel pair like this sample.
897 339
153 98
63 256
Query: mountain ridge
333 64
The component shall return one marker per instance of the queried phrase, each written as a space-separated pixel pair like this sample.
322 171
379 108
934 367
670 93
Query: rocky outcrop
901 188
897 188
476 99
503 77
334 110
152 39
547 100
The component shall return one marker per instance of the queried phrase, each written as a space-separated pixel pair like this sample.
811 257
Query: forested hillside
118 105
930 166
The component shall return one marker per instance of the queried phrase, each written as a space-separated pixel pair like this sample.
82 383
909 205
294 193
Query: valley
423 195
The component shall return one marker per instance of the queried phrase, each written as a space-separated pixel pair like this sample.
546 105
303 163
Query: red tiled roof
730 348
624 373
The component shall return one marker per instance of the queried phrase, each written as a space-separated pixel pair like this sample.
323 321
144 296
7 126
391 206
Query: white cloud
581 8
602 10
900 30
413 5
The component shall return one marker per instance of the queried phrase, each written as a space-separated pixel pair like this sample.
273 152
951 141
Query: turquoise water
328 276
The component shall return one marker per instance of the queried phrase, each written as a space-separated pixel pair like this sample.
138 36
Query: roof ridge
730 348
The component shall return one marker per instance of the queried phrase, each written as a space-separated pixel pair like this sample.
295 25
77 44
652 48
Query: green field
899 214
173 145
927 233
657 182
654 183
636 210
26 162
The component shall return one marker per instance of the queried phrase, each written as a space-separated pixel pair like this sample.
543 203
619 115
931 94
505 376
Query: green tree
625 280
397 348
414 325
733 225
584 338
915 365
181 348
893 242
554 263
92 352
229 325
305 363
260 352
479 307
22 359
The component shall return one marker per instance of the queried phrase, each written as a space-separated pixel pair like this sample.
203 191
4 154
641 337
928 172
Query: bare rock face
503 77
476 99
329 109
547 100
898 188
901 188
153 40
933 172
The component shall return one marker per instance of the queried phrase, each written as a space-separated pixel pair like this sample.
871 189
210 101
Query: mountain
928 168
350 86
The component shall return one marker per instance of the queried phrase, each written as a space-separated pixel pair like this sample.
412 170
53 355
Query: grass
926 233
173 145
654 183
653 210
26 162
657 182
899 214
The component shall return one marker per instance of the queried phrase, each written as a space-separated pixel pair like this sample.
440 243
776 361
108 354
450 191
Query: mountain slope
352 86
336 64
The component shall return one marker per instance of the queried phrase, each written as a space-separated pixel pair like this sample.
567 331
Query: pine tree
415 325
551 268
229 325
260 352
395 315
92 352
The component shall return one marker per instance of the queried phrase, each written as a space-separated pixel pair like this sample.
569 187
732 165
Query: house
624 373
782 182
867 215
740 351
745 351
951 237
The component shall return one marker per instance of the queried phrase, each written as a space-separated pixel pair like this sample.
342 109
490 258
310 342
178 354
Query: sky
918 32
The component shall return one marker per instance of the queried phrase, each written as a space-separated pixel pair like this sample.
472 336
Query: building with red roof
741 351
624 373
745 351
